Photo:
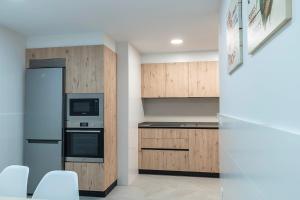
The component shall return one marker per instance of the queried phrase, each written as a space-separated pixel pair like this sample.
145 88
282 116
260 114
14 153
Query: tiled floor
148 187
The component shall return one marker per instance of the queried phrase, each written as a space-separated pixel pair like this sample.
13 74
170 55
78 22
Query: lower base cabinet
164 160
182 150
90 175
204 150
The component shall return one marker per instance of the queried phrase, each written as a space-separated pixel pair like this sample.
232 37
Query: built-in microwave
85 110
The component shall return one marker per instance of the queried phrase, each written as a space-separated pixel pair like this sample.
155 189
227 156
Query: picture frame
265 18
234 27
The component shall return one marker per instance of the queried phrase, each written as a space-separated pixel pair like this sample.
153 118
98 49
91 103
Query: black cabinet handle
164 149
43 141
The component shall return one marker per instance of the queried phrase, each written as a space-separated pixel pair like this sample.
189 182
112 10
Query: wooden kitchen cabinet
84 66
203 79
177 83
110 118
204 150
153 80
85 69
164 138
90 175
186 79
185 150
164 160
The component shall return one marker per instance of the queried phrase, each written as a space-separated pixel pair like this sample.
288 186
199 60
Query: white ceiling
148 24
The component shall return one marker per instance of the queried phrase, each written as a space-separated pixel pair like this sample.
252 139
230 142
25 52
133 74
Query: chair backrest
13 181
58 185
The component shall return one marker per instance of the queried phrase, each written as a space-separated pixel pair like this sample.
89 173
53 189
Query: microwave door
84 107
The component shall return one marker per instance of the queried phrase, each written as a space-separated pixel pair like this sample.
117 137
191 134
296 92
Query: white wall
12 64
70 40
181 109
136 112
122 112
269 79
260 116
130 112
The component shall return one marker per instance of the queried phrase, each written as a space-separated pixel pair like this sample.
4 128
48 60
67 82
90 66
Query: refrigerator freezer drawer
41 156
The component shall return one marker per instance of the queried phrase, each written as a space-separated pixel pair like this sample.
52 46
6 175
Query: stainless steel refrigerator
43 122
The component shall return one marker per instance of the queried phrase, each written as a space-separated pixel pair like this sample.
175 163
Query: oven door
84 145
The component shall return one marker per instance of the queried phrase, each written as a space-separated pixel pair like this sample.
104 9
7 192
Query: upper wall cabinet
84 72
193 79
177 80
153 80
203 79
84 66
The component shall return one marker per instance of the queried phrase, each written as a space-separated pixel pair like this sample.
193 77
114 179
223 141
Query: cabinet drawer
164 160
152 133
165 143
164 138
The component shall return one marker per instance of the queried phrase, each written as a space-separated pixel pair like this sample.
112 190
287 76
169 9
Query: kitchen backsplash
181 109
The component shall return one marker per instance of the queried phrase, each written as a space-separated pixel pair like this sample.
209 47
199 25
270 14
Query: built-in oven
84 145
85 110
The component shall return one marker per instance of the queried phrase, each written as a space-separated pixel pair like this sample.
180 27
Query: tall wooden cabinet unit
187 79
110 118
91 69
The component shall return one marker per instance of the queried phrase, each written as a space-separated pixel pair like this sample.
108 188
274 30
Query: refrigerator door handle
83 131
43 141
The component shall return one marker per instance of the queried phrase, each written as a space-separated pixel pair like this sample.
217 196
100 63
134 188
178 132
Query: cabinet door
153 80
90 175
164 160
85 70
203 79
84 66
177 80
204 150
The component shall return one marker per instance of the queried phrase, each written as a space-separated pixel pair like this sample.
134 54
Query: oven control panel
84 124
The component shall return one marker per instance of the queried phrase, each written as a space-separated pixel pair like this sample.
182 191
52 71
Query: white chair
13 181
58 185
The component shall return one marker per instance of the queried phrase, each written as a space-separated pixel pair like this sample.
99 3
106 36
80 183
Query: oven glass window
84 107
88 145
85 145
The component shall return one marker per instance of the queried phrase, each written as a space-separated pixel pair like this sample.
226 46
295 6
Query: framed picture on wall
234 35
266 17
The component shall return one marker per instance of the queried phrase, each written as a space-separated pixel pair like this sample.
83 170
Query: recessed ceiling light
176 41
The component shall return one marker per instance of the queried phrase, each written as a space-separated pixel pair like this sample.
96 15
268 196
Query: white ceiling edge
180 57
70 40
